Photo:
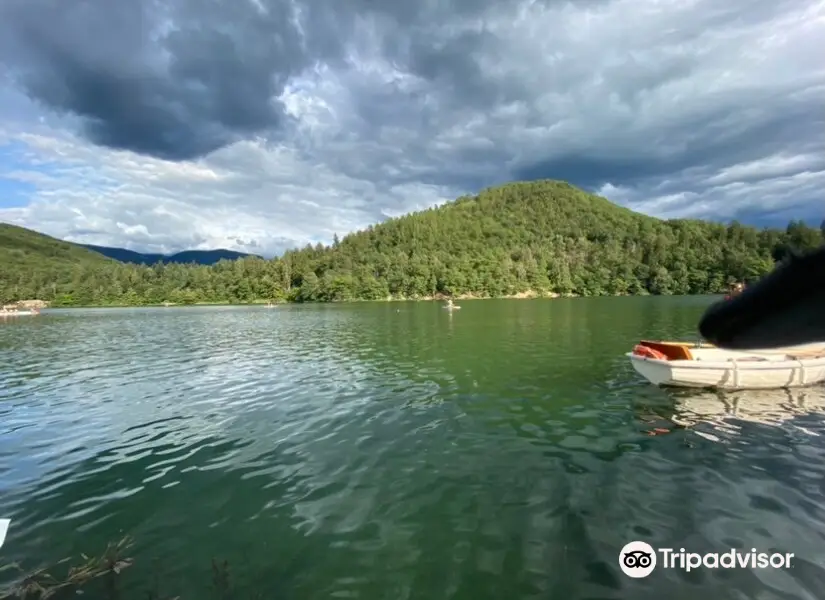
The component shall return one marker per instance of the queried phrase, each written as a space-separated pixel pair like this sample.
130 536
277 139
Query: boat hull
756 371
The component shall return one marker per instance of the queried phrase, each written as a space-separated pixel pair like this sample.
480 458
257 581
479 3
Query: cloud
264 124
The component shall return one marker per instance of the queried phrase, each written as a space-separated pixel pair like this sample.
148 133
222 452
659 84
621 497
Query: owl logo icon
637 559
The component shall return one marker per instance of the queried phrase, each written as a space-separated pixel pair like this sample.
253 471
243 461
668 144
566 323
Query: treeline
546 237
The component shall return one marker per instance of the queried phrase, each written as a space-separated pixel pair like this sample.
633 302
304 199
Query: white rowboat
680 365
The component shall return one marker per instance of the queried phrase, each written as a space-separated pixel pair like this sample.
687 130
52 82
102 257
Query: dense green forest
544 237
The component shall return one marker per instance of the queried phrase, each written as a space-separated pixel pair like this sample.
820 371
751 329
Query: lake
398 451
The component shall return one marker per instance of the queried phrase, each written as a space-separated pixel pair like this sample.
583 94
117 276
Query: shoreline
528 295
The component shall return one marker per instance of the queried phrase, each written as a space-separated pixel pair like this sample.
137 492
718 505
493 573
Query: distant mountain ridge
200 257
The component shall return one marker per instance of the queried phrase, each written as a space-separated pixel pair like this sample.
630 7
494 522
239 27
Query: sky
261 125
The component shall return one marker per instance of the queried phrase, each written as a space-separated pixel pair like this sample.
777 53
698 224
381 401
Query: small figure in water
450 306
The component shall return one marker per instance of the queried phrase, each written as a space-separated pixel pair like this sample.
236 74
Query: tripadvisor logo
639 559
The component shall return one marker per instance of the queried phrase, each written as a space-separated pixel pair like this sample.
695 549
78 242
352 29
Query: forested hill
546 237
25 250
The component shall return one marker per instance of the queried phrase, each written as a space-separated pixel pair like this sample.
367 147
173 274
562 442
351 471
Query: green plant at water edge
41 584
220 579
105 570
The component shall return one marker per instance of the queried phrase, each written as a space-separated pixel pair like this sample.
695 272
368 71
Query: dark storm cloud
182 78
174 80
728 136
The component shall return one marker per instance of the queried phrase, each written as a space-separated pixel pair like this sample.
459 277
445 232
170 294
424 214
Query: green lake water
397 451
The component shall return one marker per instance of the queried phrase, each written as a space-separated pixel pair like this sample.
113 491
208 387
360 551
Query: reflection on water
712 412
399 451
722 411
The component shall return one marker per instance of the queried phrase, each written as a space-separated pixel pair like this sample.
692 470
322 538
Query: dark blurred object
784 308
